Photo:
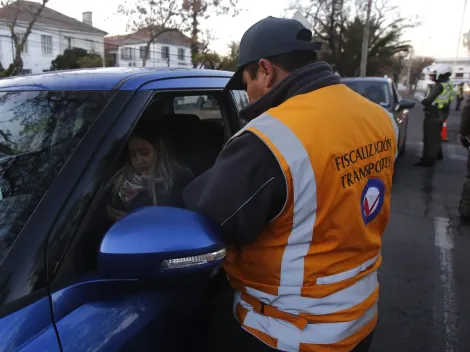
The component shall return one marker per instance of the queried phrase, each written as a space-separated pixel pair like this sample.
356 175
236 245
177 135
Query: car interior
195 134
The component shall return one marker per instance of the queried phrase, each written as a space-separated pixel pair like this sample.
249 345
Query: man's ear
266 68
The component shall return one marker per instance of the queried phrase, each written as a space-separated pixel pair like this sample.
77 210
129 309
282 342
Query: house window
20 37
68 42
181 54
90 45
46 44
165 52
126 53
142 52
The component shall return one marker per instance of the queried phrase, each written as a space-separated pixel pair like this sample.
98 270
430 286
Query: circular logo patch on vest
372 199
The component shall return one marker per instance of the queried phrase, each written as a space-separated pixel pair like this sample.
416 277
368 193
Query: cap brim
236 82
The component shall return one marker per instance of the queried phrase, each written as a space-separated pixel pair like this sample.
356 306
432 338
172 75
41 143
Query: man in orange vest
302 196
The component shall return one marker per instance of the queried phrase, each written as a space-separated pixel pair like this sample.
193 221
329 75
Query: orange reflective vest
309 282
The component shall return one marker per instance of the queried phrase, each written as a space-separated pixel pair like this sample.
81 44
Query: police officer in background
302 197
459 96
436 107
464 140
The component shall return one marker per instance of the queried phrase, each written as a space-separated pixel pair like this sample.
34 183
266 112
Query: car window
204 106
377 92
241 99
38 133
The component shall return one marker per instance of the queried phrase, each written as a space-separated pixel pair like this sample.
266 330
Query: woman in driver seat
150 175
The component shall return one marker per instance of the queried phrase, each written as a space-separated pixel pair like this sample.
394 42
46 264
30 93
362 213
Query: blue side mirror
160 241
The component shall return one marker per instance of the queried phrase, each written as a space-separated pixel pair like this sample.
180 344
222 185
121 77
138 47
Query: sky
436 36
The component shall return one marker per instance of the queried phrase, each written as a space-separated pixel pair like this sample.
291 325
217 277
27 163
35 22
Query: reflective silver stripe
336 302
305 199
290 337
331 279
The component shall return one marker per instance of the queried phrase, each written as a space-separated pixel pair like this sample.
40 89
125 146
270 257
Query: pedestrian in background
436 108
302 197
459 96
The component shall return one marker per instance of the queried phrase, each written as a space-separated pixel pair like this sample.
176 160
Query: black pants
226 334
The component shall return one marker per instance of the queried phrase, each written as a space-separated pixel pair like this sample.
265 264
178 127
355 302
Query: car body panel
101 78
29 329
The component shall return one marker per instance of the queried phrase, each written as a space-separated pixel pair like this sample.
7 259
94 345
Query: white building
170 49
52 33
460 67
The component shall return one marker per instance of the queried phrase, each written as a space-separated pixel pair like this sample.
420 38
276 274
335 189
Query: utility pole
460 36
410 63
365 41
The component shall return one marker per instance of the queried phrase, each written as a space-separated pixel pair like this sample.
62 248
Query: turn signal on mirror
179 263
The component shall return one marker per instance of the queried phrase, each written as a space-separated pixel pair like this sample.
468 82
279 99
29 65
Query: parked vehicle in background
383 92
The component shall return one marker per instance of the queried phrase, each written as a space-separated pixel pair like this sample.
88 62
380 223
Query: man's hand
115 214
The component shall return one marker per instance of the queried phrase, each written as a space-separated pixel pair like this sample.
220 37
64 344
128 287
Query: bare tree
20 12
152 18
198 9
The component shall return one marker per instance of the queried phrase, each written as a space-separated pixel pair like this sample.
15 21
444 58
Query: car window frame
118 134
30 247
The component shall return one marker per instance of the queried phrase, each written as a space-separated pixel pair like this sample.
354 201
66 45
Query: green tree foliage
339 24
230 61
76 58
69 59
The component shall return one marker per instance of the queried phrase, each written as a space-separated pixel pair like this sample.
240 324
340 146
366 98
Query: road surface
425 274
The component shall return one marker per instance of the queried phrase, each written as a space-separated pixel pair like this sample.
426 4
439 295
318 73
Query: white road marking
444 242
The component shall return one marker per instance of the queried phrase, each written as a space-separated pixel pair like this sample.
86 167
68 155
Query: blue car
69 283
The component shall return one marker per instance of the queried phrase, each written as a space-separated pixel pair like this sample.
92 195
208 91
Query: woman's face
142 154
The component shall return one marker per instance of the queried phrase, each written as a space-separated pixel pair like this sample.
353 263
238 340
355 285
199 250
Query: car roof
366 79
101 78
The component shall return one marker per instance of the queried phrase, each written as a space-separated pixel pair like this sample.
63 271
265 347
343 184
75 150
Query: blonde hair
164 166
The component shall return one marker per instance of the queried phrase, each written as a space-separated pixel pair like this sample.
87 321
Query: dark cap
269 37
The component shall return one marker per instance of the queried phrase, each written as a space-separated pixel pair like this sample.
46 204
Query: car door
90 311
39 132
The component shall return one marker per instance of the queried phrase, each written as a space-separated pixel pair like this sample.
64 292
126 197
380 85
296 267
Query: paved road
425 275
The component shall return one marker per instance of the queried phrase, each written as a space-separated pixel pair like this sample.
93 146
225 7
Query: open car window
39 131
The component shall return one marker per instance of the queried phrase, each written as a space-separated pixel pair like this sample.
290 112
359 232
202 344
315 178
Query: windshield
38 133
377 92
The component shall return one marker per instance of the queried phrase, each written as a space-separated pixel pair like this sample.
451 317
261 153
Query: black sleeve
435 92
464 129
243 191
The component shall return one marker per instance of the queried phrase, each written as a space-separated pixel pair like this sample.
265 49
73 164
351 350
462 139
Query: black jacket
246 189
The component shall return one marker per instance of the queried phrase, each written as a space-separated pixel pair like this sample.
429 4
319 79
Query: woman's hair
164 166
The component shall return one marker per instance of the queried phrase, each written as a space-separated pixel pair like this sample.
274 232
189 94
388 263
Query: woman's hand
115 214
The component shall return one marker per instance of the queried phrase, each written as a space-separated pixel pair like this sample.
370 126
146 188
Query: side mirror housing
405 104
156 242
